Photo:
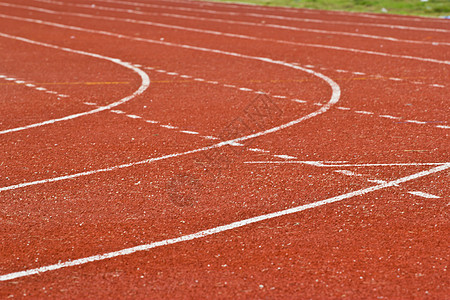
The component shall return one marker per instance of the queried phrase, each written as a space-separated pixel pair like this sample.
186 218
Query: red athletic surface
384 244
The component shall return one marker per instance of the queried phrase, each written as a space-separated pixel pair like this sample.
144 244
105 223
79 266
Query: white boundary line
118 35
219 229
145 83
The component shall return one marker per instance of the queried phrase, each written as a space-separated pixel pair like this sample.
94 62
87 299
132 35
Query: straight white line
189 132
258 150
169 126
390 117
219 229
416 122
443 126
145 82
326 165
134 117
246 89
425 195
284 156
209 137
299 101
363 112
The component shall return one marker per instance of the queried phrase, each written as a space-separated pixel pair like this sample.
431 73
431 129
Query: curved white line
217 20
219 229
402 27
145 82
118 35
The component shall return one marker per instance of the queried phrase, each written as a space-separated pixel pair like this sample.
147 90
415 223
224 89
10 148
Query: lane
145 82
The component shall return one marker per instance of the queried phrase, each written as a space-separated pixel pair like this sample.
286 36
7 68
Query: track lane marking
219 229
31 85
424 195
145 83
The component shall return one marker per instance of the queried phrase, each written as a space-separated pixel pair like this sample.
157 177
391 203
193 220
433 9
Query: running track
196 149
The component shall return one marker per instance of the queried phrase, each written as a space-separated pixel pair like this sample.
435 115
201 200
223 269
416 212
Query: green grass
404 7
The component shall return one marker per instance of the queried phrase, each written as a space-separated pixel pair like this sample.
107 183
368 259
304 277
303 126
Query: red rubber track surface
131 162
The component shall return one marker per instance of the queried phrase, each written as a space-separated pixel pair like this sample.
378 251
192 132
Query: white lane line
443 126
321 46
116 111
209 137
284 156
390 117
425 195
258 150
169 126
246 89
299 101
186 76
134 117
189 132
219 229
415 122
363 112
437 85
348 173
31 85
338 165
151 121
145 82
377 181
